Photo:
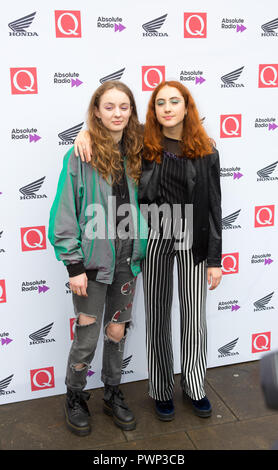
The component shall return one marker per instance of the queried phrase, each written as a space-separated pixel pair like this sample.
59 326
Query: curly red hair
195 141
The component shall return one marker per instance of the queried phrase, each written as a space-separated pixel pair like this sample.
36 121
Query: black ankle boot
115 406
77 412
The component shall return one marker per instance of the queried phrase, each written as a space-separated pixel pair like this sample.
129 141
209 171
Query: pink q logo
195 25
230 263
261 342
24 81
268 76
3 297
152 76
68 24
230 125
42 378
33 238
264 216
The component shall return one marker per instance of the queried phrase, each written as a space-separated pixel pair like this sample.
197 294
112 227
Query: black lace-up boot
77 412
115 406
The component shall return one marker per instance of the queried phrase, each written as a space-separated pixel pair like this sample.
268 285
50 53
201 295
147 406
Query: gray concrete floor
240 419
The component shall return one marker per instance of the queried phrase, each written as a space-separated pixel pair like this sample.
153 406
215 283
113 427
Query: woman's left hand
214 276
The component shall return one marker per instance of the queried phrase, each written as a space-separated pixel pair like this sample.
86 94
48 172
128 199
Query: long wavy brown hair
195 141
106 156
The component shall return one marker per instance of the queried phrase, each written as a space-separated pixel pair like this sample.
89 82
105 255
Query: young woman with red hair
180 168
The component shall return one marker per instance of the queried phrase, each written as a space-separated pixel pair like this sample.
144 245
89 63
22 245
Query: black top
120 189
173 173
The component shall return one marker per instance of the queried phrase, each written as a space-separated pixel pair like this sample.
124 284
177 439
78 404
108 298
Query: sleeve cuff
75 269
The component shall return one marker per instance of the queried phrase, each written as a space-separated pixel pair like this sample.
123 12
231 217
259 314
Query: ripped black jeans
117 299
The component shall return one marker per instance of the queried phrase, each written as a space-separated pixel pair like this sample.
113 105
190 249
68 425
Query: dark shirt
120 189
173 174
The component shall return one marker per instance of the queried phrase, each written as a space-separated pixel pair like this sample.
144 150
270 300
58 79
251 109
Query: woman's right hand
79 284
82 146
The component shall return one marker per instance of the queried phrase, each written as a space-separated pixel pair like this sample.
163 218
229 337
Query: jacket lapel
191 179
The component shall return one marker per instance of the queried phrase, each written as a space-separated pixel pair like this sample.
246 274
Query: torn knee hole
84 319
79 367
117 332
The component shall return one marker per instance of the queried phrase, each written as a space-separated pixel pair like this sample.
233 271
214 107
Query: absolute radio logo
20 27
113 76
66 78
5 383
5 340
270 28
29 134
230 125
3 296
39 336
235 24
68 136
228 221
268 76
264 216
230 80
262 304
195 25
196 76
231 305
265 258
33 238
227 349
152 75
42 378
264 174
30 190
34 286
230 263
68 24
113 22
24 81
261 342
151 27
233 172
266 123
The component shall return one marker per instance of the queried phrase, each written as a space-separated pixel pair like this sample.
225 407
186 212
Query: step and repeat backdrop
53 57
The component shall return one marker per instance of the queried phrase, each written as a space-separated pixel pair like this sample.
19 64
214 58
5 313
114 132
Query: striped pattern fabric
158 292
173 178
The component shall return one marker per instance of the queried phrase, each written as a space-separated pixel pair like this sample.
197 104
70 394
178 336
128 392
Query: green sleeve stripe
55 205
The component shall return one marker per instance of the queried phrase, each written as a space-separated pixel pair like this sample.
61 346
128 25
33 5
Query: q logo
230 263
68 24
152 75
261 342
230 125
268 75
195 25
33 238
24 81
72 324
42 378
3 298
264 216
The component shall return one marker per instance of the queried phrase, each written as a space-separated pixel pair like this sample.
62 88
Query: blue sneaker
165 410
202 408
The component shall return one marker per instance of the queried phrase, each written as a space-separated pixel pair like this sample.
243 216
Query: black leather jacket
204 192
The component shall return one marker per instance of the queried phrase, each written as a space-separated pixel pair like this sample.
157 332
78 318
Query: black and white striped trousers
158 292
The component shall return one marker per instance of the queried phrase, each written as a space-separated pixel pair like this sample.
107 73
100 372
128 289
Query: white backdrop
52 61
